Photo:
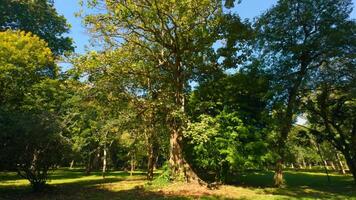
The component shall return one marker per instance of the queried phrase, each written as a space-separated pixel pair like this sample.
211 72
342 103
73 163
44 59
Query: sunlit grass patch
74 184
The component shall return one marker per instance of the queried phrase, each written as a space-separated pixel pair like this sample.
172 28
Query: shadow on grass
300 185
120 186
87 189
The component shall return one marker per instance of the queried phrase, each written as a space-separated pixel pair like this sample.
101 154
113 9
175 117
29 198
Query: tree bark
150 164
132 164
287 120
278 175
304 166
180 169
332 165
351 163
88 166
176 160
71 164
341 166
324 161
104 161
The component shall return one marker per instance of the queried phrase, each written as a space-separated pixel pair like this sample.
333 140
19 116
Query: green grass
73 184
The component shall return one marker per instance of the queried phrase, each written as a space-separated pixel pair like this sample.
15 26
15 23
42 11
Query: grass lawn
73 184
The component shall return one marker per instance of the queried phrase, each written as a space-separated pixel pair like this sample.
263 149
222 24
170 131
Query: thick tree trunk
351 163
278 174
176 160
180 169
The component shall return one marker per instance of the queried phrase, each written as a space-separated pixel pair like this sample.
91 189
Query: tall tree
30 99
297 38
38 17
176 37
331 113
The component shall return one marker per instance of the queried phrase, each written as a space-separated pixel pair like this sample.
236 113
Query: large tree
296 39
331 105
30 99
176 38
38 17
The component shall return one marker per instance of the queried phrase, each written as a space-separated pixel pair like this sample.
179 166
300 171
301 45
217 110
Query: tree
26 61
331 114
296 39
175 37
31 145
38 17
31 97
225 146
229 127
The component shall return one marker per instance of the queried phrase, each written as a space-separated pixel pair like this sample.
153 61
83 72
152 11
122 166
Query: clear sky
247 9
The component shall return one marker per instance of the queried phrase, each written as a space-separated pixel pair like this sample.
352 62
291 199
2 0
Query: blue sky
247 9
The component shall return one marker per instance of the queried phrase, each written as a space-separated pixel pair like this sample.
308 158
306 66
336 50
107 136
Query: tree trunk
332 165
324 161
132 164
104 161
278 175
287 119
284 131
150 164
341 166
351 163
71 164
326 164
304 166
180 169
88 166
176 160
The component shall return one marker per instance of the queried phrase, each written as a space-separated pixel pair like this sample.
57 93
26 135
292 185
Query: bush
32 145
222 145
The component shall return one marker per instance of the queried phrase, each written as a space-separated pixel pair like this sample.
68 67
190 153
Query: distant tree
38 17
296 39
